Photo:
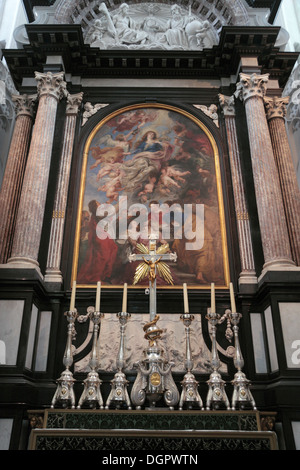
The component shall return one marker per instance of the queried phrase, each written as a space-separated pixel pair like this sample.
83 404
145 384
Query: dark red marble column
14 171
53 273
51 88
271 214
248 274
276 111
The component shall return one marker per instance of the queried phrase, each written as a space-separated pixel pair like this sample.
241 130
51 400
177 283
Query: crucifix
152 262
154 376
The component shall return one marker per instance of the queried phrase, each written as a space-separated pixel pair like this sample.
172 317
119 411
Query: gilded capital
251 85
276 107
24 104
227 105
73 103
51 84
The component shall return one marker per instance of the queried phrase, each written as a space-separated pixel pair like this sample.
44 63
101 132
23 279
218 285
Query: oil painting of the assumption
150 170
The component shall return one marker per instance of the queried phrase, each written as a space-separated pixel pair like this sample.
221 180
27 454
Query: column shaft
287 175
53 273
273 227
247 274
32 203
14 172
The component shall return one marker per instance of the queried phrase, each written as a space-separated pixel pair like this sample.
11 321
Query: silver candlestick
91 395
216 396
64 393
242 397
190 394
119 394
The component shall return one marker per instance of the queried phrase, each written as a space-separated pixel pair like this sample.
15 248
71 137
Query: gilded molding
58 214
276 107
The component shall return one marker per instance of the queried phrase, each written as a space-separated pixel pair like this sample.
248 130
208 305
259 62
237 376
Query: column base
278 265
53 276
248 281
22 263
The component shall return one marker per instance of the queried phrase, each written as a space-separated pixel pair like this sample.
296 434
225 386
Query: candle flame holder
216 396
242 397
91 395
189 395
119 395
64 394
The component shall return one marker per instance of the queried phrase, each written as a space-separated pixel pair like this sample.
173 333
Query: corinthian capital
51 84
251 85
227 105
24 104
276 107
73 103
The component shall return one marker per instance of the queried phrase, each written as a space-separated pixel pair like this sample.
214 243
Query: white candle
232 299
72 303
213 304
124 306
185 298
97 307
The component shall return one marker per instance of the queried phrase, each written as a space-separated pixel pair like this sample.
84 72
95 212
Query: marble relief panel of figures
150 170
150 26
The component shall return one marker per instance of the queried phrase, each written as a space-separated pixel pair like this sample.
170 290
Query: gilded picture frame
155 157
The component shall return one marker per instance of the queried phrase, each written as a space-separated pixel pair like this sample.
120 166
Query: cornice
79 59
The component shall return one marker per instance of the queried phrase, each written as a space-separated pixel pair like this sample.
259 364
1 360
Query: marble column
273 227
14 171
26 243
248 274
53 273
276 111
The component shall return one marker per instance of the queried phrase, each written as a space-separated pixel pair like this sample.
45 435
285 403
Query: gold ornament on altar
147 267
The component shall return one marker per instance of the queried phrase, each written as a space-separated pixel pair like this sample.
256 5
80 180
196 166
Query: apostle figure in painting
100 254
206 262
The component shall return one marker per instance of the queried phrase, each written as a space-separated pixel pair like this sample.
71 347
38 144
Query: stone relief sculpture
150 26
210 111
173 344
90 109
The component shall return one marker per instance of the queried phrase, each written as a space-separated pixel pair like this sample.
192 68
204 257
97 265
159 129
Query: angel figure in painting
112 189
114 151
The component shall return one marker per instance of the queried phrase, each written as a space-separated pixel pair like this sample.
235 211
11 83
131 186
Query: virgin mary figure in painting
146 159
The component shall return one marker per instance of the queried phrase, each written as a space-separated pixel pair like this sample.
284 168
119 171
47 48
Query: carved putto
150 26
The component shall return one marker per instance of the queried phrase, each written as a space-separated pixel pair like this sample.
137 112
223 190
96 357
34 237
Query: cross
152 261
